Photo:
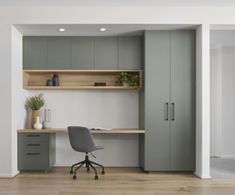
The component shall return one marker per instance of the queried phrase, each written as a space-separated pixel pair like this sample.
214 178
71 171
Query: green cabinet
167 103
129 52
59 52
82 53
36 151
35 53
106 53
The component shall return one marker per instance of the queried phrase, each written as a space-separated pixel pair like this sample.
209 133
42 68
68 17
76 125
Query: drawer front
33 160
35 146
32 137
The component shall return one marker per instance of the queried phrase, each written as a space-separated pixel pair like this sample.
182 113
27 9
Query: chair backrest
81 139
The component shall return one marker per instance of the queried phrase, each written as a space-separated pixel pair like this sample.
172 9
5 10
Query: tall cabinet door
157 94
182 100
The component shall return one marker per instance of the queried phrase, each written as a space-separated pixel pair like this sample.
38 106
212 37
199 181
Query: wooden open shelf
77 79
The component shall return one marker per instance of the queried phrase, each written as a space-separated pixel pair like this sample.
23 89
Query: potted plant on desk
35 103
129 79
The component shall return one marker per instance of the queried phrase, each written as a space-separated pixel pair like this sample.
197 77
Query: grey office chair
81 140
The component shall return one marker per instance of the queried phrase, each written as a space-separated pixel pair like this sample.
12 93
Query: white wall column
5 101
203 102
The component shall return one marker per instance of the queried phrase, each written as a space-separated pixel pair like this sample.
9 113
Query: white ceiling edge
123 3
93 29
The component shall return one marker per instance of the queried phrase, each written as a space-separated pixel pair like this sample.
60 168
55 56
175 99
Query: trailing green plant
129 78
35 102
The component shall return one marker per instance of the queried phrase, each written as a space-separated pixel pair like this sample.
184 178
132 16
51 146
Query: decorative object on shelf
49 82
100 83
47 119
35 103
56 80
37 125
129 79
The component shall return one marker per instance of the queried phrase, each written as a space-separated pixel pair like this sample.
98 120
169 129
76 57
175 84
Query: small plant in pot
35 103
129 79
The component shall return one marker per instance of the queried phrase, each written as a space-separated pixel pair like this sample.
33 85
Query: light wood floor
116 181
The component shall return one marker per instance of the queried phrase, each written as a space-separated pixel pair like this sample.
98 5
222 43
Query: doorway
222 136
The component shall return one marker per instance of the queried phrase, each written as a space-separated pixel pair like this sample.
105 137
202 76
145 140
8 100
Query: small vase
47 119
56 80
38 125
35 114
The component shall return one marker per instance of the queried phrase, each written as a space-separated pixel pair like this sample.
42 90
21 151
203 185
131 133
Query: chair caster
103 172
88 170
74 177
71 172
96 177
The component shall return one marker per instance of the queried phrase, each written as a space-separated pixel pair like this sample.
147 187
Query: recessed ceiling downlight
61 29
103 29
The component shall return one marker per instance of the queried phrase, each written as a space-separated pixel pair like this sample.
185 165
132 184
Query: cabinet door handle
33 153
172 111
33 144
166 112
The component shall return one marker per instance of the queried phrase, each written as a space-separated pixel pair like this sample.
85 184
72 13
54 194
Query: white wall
228 103
18 95
216 102
103 15
223 105
203 102
111 109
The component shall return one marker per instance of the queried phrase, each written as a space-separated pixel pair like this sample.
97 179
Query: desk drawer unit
36 151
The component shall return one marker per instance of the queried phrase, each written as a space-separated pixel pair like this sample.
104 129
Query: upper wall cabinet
106 53
59 52
82 53
101 53
129 53
35 53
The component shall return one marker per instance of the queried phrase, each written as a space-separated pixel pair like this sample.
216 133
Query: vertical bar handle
172 111
166 112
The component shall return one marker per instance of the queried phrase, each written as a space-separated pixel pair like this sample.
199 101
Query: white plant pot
125 84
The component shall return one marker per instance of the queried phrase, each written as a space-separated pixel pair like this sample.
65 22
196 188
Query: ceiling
93 29
177 3
222 38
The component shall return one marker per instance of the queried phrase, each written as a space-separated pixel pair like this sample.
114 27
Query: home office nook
151 116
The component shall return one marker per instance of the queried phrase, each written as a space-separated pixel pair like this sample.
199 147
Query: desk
36 148
64 130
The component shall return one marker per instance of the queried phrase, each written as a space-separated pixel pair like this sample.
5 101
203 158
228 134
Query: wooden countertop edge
64 130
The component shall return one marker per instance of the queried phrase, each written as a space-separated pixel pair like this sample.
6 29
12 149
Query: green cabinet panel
34 53
82 53
157 89
106 53
167 104
59 52
183 97
36 151
129 52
